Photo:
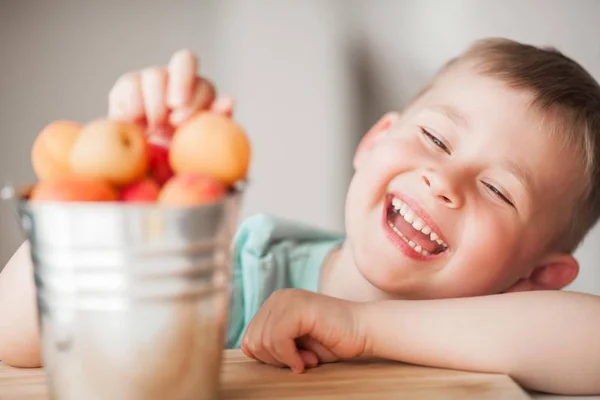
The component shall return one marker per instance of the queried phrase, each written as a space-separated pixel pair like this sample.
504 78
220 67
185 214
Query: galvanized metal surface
133 299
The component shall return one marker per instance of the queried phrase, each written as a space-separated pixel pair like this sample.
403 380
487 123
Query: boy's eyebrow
523 174
452 114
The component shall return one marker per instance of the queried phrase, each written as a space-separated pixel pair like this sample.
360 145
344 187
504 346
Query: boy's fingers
309 358
321 352
253 342
260 353
246 350
182 74
268 358
178 117
286 352
290 355
276 330
160 134
125 100
203 95
223 105
154 89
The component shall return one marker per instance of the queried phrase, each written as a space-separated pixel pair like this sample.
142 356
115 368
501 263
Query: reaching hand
164 97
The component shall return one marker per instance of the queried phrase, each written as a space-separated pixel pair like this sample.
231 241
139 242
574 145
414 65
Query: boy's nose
443 190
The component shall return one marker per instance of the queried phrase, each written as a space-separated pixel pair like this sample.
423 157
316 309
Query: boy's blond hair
562 90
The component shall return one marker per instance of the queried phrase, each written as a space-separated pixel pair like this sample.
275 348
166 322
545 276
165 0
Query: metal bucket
133 299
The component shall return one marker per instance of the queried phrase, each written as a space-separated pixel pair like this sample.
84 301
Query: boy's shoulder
281 251
261 232
270 253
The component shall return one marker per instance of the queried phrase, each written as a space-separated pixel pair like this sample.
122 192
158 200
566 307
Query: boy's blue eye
437 142
499 194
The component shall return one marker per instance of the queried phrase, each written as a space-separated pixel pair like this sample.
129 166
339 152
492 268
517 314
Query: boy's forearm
546 341
19 338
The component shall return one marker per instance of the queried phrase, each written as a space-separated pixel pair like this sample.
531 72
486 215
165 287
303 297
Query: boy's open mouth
412 229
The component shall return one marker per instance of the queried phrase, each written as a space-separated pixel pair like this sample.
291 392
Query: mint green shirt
271 253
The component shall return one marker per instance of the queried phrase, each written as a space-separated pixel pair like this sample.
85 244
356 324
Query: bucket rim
20 195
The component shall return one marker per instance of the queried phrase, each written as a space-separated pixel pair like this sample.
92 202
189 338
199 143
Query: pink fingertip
224 105
298 369
309 358
180 116
298 365
182 71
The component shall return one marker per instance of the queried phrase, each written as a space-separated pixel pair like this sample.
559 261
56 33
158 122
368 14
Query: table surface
246 379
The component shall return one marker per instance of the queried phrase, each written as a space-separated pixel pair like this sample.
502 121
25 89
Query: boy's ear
376 132
554 273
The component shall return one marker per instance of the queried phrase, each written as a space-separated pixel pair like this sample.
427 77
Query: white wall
310 76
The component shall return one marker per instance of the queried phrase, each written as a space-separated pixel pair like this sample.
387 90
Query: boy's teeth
403 210
417 223
412 244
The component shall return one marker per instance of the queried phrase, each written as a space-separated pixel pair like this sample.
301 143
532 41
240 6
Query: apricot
73 188
191 189
144 191
211 144
158 162
52 148
114 151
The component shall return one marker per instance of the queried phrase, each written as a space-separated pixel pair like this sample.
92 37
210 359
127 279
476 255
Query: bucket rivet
7 192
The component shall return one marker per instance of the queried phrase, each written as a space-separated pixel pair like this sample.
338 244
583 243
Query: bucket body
133 299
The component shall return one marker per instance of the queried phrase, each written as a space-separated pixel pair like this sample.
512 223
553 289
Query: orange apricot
191 189
52 148
73 188
114 151
211 144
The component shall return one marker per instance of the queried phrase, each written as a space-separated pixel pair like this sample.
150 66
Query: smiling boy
484 184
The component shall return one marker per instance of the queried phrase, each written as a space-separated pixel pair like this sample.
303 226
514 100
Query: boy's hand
299 329
164 97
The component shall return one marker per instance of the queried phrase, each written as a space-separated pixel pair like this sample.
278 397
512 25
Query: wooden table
246 379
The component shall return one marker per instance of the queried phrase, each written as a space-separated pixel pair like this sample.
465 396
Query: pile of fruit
107 160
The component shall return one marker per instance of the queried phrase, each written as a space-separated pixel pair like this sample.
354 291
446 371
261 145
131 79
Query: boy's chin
393 282
409 283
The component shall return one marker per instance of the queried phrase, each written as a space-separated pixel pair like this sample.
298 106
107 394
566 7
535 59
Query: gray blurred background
310 77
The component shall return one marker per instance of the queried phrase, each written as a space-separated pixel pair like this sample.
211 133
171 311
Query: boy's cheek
491 250
389 160
396 155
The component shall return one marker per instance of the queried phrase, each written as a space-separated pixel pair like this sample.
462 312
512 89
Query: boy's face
473 164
